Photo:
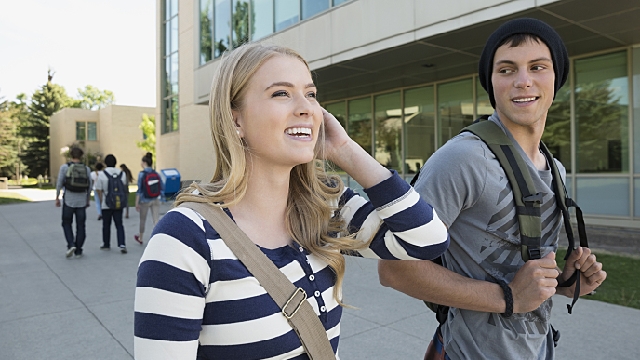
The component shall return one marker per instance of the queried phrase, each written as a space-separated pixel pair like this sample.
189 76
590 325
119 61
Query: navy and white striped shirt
194 298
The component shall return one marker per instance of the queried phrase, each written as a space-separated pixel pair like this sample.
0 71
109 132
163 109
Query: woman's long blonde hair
310 219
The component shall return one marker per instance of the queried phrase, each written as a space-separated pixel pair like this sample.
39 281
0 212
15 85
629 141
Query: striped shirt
194 298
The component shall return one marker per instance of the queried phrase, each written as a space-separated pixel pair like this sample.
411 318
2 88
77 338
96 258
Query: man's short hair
110 160
76 153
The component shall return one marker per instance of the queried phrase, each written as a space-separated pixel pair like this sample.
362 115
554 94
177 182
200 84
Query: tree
148 127
45 102
93 98
9 141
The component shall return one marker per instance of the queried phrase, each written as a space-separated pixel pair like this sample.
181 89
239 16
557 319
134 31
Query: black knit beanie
524 26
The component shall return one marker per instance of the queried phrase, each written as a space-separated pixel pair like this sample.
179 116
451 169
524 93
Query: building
112 130
401 76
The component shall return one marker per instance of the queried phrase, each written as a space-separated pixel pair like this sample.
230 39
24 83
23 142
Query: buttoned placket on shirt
308 270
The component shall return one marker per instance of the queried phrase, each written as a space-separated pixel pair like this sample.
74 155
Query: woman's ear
237 122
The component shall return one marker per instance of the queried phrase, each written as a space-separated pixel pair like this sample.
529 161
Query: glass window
174 34
174 113
636 111
338 2
360 122
601 102
222 27
455 108
419 122
483 105
603 196
92 131
174 8
167 38
174 74
240 22
557 131
167 9
388 130
81 130
261 18
287 13
339 110
206 31
167 80
166 125
312 7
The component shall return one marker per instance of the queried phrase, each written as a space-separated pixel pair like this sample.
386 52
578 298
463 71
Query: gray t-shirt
464 182
70 198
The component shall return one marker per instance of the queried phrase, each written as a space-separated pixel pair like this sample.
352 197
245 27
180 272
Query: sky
109 44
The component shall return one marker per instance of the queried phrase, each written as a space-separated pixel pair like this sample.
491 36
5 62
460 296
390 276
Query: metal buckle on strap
535 198
297 303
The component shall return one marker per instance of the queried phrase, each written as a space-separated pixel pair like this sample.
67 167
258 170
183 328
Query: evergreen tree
9 141
45 102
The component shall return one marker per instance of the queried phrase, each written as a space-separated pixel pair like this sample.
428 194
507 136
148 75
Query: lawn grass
622 286
12 198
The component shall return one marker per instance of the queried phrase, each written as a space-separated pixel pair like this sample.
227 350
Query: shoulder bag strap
292 300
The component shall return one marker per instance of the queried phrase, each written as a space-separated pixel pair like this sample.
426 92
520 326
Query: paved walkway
55 308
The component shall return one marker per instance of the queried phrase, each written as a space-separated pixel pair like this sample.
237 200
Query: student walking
129 175
496 287
75 178
148 195
113 197
94 179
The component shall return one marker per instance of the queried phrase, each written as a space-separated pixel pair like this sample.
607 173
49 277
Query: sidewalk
57 308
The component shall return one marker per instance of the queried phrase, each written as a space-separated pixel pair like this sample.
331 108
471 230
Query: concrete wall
121 131
62 132
118 133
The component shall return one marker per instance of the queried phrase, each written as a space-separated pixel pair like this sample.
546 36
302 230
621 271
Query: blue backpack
116 197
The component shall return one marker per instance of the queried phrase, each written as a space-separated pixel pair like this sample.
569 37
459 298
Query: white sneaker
70 251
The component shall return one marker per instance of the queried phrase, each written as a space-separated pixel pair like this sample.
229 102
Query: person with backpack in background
75 178
94 179
129 175
112 183
147 197
496 287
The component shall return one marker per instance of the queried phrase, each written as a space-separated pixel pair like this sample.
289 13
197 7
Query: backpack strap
526 198
565 202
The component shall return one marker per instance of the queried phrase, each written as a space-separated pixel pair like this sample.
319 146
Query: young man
102 187
74 201
499 304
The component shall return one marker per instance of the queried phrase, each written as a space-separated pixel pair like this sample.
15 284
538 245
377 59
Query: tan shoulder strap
292 300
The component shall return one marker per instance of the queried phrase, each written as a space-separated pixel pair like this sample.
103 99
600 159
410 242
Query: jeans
97 201
107 215
67 220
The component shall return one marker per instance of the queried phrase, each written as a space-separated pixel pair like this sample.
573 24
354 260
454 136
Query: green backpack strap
526 198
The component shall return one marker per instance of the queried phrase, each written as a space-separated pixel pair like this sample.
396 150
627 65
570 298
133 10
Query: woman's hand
336 138
349 156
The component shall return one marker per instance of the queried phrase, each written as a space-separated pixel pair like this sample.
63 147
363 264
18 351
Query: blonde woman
193 297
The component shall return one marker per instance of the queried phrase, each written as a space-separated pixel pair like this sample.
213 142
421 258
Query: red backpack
151 185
